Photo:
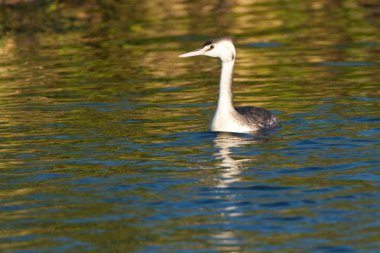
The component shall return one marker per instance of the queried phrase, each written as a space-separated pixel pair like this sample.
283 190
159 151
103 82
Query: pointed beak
193 53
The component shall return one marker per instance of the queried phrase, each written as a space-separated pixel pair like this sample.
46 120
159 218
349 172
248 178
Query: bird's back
259 117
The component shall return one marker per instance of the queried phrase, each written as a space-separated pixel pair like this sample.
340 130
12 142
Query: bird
228 118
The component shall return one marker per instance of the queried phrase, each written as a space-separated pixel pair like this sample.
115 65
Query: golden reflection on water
109 70
103 62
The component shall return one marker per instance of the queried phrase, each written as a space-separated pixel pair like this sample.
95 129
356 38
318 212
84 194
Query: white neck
226 118
225 105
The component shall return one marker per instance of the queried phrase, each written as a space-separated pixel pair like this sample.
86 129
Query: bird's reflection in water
229 173
231 167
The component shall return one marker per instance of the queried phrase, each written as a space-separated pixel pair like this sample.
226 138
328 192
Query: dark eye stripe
207 43
210 48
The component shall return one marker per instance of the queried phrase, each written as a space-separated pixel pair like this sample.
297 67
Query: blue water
104 130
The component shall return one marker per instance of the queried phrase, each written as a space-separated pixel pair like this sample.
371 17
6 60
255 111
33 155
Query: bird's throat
225 105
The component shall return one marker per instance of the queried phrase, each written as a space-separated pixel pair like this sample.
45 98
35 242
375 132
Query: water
104 131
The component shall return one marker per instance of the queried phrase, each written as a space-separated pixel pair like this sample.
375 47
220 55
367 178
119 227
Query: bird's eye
212 46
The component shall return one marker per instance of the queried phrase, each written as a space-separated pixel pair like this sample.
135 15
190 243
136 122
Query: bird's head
222 48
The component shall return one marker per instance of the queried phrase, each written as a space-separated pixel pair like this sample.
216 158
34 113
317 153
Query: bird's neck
225 105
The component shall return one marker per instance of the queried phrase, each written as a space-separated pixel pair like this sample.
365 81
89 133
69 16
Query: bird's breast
230 124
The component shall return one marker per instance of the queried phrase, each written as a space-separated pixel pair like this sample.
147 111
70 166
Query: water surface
104 130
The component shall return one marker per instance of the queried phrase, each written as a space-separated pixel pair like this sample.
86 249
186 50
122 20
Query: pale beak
193 53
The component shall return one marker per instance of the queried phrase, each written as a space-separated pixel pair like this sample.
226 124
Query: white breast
228 123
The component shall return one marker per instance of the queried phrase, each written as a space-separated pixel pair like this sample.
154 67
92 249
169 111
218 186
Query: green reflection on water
94 91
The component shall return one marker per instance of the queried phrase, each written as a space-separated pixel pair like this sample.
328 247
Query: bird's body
228 118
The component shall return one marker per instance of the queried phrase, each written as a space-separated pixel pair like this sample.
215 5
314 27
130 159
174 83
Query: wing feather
264 119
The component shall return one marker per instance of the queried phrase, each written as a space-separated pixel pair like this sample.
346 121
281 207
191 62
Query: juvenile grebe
228 118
